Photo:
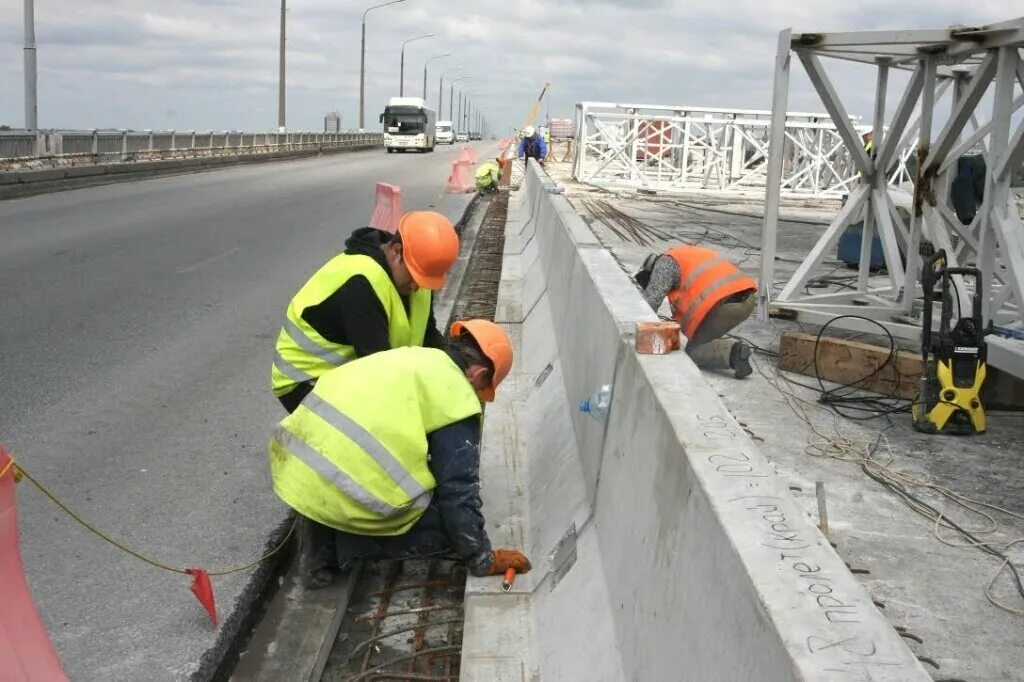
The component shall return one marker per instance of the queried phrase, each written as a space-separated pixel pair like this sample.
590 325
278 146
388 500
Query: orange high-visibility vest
705 279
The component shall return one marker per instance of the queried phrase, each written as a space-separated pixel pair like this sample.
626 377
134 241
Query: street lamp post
464 113
440 90
451 99
281 72
440 56
362 63
31 108
401 73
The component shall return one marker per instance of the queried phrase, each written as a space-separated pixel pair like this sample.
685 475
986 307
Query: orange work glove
508 558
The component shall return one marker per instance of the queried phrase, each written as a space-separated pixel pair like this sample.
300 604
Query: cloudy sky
205 64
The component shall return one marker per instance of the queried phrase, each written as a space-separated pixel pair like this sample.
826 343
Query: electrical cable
844 398
843 448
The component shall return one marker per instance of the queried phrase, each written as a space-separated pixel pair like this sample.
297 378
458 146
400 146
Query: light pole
401 73
465 113
451 99
440 89
440 56
31 107
280 72
362 62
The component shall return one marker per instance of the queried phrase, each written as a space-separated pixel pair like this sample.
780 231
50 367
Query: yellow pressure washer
954 365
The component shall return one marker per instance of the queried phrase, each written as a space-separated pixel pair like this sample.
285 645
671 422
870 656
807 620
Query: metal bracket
543 375
563 556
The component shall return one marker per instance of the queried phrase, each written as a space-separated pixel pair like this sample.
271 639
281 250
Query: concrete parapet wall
18 183
664 546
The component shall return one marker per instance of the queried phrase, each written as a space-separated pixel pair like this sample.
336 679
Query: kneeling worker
385 450
373 297
708 296
489 174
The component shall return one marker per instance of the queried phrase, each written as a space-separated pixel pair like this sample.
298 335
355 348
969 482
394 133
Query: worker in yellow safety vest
373 297
708 296
385 453
488 175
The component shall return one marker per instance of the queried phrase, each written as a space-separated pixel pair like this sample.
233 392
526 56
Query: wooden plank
844 361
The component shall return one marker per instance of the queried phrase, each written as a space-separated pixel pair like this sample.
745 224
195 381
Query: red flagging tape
203 589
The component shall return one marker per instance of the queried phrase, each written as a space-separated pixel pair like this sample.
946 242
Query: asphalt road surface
138 323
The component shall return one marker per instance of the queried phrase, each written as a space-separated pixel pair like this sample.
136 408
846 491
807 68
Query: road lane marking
213 259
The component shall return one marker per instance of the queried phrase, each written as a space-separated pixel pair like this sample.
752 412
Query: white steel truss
719 150
982 64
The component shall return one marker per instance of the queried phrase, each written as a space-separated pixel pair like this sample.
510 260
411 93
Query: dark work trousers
708 349
426 538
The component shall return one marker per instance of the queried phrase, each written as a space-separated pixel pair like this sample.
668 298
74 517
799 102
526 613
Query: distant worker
709 296
489 174
385 451
546 134
532 146
373 297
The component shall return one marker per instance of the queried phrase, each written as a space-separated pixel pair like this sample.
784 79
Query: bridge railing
723 150
74 147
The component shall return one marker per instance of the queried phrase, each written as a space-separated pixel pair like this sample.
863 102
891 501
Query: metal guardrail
723 150
72 147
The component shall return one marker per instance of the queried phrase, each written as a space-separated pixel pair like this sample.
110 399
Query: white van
445 135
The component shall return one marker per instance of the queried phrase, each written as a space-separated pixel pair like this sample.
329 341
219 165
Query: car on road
462 137
475 136
445 135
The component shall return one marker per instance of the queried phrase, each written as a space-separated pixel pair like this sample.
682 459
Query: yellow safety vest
488 174
353 456
303 355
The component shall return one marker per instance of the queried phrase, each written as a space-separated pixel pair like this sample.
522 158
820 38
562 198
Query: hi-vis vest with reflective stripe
487 174
353 456
705 278
302 354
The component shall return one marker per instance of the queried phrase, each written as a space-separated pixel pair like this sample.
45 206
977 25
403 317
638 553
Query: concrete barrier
20 183
664 546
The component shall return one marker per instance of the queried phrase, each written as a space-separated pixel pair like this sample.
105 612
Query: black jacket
353 315
455 463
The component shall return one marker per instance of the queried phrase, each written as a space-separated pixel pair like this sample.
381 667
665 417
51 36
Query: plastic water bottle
598 404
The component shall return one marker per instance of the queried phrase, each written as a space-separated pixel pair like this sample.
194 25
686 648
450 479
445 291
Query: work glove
504 559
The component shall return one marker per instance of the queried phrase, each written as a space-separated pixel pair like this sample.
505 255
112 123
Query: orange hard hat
494 343
429 245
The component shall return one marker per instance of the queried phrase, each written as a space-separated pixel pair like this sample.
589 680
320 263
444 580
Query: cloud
213 63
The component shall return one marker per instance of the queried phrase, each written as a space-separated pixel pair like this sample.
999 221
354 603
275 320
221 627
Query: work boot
315 568
318 578
739 359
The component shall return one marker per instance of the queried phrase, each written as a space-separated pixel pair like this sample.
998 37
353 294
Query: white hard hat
528 131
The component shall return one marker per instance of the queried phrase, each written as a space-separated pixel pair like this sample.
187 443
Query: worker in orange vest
708 296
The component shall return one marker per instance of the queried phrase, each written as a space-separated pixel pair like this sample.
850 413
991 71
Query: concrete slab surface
139 321
932 593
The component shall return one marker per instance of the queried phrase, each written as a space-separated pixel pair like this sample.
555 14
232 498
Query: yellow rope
10 463
152 562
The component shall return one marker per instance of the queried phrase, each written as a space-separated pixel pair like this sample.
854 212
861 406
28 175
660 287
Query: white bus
408 124
445 134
